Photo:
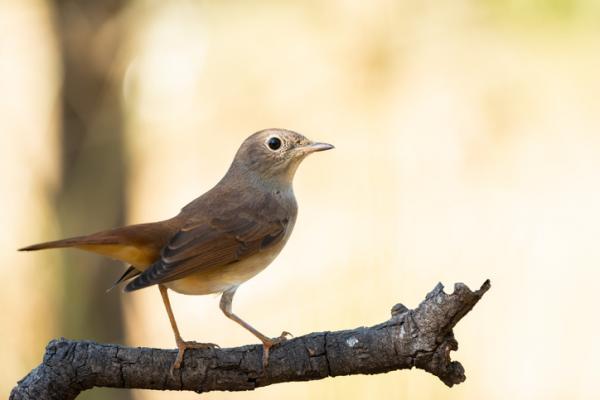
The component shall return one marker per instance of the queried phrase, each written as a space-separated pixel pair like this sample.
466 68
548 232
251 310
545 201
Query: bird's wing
130 273
219 241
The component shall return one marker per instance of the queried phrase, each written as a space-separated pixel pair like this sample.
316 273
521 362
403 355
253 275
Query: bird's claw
182 346
267 344
285 334
195 345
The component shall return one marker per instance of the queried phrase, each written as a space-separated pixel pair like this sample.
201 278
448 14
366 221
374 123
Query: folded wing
219 241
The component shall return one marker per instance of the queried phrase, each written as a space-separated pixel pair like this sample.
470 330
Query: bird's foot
182 346
267 344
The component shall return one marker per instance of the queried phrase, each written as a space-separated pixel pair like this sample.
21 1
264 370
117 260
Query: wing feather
218 241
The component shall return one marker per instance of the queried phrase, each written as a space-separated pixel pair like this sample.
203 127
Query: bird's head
274 154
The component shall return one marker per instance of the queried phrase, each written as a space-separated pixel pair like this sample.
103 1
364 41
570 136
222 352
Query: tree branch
420 338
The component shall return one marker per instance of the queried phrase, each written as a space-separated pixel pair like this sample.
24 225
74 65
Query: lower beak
314 147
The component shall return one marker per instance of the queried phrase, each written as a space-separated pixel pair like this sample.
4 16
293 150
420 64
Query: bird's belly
219 279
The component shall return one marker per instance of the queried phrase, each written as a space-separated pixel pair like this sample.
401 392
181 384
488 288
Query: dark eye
274 143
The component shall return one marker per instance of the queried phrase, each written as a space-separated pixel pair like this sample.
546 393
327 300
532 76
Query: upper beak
313 147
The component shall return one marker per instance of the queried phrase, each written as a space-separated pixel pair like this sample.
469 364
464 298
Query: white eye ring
274 143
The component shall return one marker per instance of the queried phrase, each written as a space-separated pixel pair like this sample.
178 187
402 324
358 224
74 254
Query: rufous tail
137 245
70 242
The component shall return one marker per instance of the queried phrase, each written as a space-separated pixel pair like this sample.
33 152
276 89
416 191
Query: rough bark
420 338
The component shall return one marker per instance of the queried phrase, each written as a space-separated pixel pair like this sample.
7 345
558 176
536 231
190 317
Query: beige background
467 147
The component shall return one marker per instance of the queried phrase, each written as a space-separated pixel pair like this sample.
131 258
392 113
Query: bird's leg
225 305
181 344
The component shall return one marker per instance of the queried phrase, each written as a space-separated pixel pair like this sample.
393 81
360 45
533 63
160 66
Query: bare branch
420 338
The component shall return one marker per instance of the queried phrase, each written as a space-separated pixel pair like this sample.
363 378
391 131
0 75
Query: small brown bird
221 239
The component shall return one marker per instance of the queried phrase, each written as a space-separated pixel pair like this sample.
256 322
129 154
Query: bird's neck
276 183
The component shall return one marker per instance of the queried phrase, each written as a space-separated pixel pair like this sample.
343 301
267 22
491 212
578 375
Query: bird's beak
314 147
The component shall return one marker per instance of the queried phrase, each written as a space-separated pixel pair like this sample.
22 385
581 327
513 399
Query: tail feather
70 242
137 245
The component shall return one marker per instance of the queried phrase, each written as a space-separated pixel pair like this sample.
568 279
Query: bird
219 240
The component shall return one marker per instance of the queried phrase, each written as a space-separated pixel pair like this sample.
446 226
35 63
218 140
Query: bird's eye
274 143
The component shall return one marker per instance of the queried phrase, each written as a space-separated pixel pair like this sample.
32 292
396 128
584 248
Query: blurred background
467 141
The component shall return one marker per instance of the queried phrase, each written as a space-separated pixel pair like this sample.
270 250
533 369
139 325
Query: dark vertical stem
92 193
